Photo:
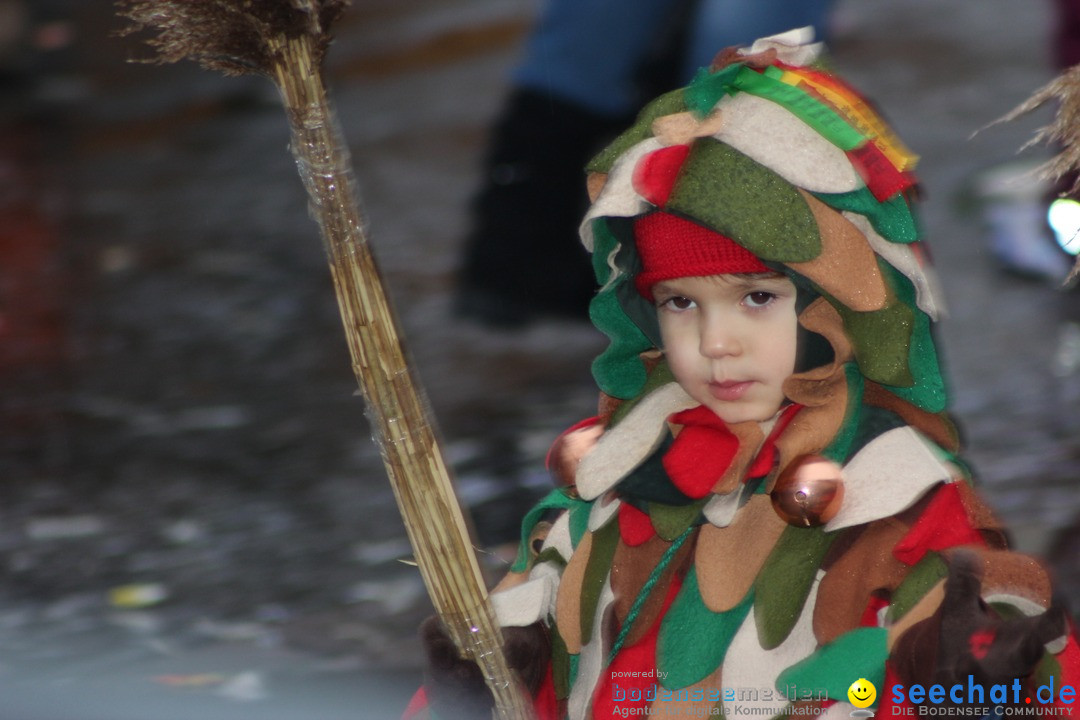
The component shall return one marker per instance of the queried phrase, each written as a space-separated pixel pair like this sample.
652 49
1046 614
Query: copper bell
809 491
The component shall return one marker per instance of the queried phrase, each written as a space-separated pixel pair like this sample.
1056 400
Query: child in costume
770 506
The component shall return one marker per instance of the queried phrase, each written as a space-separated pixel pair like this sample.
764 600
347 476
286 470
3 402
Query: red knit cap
672 247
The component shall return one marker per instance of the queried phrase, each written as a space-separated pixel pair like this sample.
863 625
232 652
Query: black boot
523 259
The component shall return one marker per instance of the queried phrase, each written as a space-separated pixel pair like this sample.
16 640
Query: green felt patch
1045 672
860 653
667 104
873 423
618 370
671 521
557 499
604 541
840 449
550 555
708 88
892 219
925 575
782 586
693 639
560 664
649 483
895 346
1006 611
725 190
927 389
881 339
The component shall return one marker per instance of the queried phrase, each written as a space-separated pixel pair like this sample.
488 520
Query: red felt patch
701 453
635 527
655 174
546 703
943 524
766 457
416 706
980 641
629 685
870 614
879 174
886 707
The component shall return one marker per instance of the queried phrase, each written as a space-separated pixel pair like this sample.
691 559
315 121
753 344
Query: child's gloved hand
976 642
972 640
455 687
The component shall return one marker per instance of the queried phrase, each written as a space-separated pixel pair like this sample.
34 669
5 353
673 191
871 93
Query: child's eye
677 303
759 298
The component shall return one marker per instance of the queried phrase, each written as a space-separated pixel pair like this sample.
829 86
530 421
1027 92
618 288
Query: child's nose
719 339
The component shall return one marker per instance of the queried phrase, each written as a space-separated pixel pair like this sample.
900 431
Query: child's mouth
729 390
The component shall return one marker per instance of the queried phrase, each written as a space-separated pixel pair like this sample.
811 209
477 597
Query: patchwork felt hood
773 151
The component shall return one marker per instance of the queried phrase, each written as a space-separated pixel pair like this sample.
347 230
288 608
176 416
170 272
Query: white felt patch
888 476
529 602
558 537
602 511
794 47
1031 609
1025 605
840 711
777 139
618 198
721 509
631 442
928 294
592 661
751 671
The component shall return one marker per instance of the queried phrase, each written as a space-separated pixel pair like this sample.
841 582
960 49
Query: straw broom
1063 131
286 41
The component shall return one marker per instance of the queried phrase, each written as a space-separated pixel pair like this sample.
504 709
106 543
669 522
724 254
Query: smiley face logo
862 693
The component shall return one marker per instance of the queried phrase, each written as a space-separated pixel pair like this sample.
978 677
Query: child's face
730 340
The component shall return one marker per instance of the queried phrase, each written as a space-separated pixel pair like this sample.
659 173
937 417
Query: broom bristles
1062 131
229 36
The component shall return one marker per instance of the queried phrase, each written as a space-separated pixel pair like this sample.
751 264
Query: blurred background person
586 68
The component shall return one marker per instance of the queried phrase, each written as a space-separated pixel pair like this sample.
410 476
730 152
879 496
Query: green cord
646 589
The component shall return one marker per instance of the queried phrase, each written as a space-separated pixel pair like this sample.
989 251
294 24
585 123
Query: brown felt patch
810 432
681 128
853 574
847 268
936 426
568 601
920 611
817 386
728 559
594 183
606 406
822 390
630 569
978 512
750 439
1011 573
680 704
